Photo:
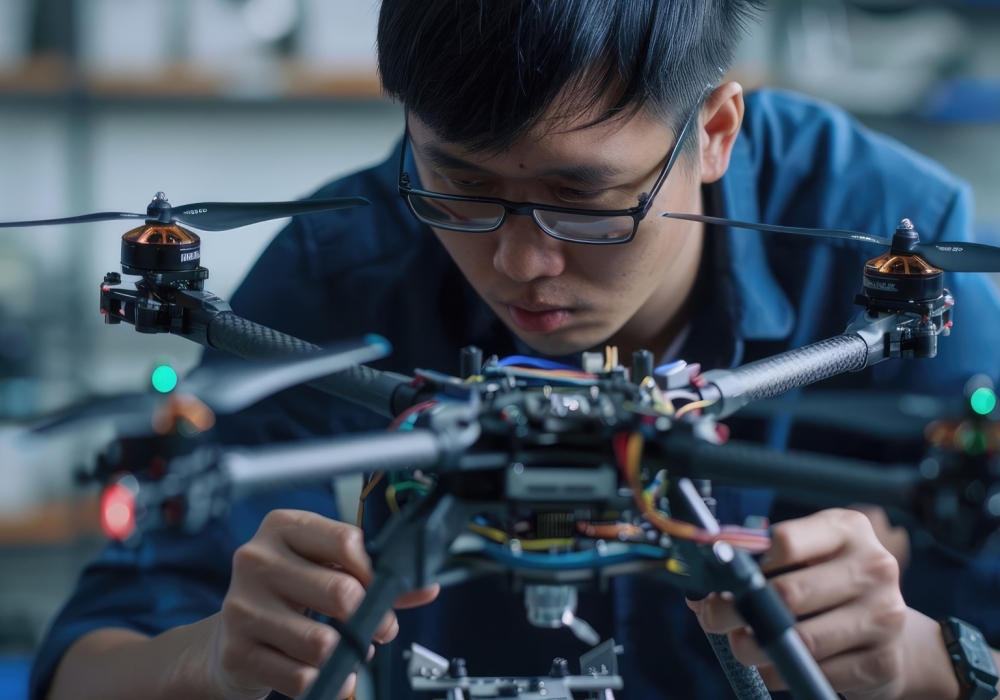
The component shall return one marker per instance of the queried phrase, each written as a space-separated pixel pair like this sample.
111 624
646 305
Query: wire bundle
628 450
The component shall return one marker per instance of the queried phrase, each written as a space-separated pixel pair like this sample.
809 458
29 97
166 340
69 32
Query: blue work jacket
376 269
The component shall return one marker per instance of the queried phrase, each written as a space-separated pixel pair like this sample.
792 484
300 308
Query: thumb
414 599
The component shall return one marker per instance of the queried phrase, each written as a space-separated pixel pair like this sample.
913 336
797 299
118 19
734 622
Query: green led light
164 379
983 401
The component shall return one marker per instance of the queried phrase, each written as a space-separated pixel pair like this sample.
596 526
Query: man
577 108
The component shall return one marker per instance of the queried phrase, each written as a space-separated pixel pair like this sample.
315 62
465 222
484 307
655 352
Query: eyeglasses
485 214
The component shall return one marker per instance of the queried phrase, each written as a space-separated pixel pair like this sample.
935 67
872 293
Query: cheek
472 253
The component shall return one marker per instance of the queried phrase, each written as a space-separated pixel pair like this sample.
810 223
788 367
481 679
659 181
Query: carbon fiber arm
773 376
363 385
252 341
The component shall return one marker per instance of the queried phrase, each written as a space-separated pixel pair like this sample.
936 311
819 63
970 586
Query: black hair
482 73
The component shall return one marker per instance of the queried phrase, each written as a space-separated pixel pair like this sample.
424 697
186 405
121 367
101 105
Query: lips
538 319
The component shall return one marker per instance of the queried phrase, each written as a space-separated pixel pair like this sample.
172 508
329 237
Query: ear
721 118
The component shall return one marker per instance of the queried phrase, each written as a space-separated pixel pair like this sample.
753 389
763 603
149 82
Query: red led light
118 512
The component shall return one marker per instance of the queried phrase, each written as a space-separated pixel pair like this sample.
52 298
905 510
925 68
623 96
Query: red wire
406 413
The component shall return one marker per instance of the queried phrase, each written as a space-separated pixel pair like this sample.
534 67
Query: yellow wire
372 483
688 407
501 537
390 498
489 533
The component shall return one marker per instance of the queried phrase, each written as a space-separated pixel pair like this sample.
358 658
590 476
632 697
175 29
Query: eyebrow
588 174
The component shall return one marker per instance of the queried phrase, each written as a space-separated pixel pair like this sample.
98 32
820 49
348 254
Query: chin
560 344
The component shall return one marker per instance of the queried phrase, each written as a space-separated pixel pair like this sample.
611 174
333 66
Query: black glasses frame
636 213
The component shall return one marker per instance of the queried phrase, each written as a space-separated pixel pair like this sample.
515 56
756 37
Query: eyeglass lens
485 216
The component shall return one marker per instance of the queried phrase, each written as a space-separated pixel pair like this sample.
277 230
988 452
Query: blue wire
664 369
536 362
571 560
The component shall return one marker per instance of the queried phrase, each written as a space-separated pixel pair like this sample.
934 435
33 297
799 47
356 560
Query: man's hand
297 560
843 585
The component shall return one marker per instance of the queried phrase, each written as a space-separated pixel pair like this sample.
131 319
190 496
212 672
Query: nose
525 252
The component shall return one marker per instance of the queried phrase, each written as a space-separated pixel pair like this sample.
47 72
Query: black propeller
208 216
224 389
950 257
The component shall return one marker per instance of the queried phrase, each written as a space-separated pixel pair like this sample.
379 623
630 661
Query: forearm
928 673
113 664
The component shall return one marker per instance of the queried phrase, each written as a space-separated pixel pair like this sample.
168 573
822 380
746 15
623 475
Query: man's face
561 297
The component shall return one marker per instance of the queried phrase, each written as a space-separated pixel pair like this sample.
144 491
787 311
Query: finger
413 599
272 669
826 585
717 613
304 585
860 670
863 669
292 634
814 538
322 540
772 679
855 626
388 630
350 684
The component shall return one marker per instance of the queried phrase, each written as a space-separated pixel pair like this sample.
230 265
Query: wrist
195 669
928 673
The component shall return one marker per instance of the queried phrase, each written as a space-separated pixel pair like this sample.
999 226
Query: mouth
539 318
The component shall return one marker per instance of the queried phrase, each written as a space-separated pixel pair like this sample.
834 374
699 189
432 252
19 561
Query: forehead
614 144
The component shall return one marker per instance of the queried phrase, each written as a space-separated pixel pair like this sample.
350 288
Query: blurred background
105 102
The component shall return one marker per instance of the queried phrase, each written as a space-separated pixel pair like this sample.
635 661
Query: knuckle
883 567
250 557
346 590
352 538
283 518
276 518
851 520
320 641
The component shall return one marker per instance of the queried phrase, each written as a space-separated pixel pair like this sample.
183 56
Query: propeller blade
85 219
129 413
827 233
232 388
222 216
960 257
224 389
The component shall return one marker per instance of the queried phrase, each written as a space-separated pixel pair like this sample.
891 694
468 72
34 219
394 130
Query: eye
568 194
467 184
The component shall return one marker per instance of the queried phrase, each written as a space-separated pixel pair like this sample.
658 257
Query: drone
559 476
